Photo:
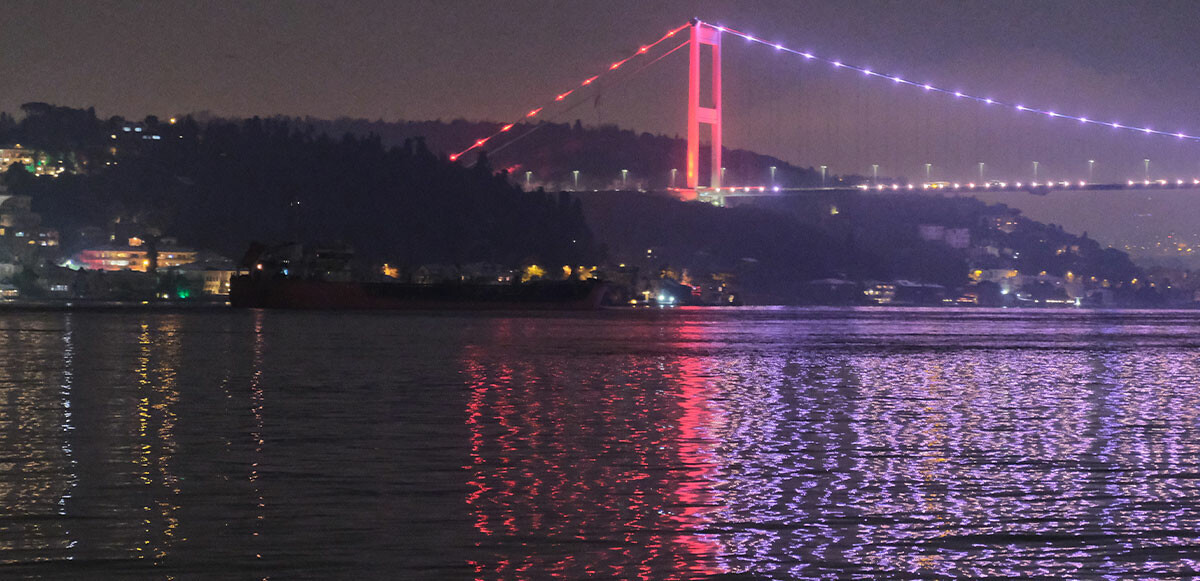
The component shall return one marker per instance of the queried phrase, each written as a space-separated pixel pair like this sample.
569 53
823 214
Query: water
768 443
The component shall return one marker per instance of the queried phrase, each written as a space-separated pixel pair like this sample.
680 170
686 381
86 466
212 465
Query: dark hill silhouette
219 184
553 150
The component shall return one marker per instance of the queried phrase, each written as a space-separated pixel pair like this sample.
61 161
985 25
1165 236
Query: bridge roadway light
722 176
1035 168
981 164
1147 162
823 168
576 174
624 178
673 172
528 177
874 173
1091 165
928 167
772 175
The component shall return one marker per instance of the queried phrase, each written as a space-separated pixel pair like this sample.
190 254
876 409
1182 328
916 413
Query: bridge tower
697 115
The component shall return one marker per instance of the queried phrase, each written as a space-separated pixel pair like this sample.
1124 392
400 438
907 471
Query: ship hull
250 292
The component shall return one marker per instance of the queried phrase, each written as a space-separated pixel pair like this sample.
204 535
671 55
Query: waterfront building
135 255
212 275
21 232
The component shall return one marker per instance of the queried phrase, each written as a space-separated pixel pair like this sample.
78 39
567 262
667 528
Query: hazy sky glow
1132 62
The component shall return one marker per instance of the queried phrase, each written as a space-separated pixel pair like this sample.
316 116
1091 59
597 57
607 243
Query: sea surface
633 444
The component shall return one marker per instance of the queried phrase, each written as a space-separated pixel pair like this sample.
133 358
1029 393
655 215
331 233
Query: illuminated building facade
33 161
209 277
21 232
16 154
135 256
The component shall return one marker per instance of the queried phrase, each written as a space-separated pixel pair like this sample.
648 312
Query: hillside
552 151
219 184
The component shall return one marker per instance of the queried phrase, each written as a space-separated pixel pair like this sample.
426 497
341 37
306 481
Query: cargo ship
286 277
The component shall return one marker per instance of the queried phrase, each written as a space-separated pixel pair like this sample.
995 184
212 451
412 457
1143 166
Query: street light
722 176
772 175
528 177
1035 166
673 172
981 182
1147 169
874 173
624 178
1091 165
823 175
576 174
928 167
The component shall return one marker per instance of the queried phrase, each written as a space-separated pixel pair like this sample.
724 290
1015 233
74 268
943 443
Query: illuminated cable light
958 94
779 47
532 113
1021 108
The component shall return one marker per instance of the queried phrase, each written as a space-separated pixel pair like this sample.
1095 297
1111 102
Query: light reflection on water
654 445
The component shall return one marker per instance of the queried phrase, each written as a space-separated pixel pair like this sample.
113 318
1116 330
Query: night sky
1133 62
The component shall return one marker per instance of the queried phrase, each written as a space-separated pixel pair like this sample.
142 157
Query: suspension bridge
703 44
